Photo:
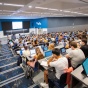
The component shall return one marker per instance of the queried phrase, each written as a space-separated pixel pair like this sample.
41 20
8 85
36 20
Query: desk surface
44 59
81 77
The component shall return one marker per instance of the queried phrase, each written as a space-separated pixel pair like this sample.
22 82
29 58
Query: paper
44 63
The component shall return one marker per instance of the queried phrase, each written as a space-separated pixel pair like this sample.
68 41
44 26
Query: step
8 61
6 56
19 82
8 66
10 73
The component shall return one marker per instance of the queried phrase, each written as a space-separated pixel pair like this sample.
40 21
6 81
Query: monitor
48 53
32 51
85 66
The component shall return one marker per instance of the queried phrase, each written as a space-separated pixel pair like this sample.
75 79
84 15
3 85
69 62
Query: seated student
60 64
84 47
39 54
26 52
51 46
35 42
76 55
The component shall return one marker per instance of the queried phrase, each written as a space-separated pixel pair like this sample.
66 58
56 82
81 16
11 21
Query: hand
54 59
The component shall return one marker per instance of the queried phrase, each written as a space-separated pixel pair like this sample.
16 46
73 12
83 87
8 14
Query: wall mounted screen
17 25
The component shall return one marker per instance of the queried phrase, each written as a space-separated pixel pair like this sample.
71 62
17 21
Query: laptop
48 54
45 48
32 52
63 51
85 67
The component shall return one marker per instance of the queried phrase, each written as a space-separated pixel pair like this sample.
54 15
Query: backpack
28 71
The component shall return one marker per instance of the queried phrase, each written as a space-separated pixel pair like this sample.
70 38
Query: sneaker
44 85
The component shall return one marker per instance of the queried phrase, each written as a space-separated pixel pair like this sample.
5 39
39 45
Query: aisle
11 75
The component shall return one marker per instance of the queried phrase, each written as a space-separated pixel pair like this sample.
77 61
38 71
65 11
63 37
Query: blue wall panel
39 23
0 27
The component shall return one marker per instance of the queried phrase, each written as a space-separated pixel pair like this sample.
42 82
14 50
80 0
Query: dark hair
25 47
74 44
85 41
56 51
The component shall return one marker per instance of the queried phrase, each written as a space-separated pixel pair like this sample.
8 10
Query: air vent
84 1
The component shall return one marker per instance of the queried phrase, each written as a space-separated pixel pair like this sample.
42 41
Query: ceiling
31 9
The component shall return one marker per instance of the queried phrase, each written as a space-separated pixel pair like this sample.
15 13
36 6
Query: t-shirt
85 50
60 66
26 53
77 57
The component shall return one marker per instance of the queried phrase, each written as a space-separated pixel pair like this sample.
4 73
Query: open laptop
32 52
48 54
63 51
45 48
85 67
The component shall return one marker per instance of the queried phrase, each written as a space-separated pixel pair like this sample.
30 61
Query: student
26 52
60 64
84 47
77 56
51 46
39 54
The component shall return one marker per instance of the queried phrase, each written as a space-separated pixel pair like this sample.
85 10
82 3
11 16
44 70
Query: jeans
55 83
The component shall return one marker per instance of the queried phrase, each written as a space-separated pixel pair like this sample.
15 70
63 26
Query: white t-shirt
77 57
60 66
26 53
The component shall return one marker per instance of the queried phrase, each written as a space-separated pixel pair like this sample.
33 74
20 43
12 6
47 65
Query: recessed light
0 3
41 8
18 5
30 6
61 10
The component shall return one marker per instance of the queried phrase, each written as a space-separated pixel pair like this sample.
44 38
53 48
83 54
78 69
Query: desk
44 59
77 76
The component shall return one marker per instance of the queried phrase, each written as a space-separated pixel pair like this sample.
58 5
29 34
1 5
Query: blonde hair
39 54
51 46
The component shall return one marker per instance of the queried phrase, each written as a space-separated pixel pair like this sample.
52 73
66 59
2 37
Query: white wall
2 34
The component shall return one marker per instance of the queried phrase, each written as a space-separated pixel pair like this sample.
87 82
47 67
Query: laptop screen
48 53
63 50
45 48
85 66
32 51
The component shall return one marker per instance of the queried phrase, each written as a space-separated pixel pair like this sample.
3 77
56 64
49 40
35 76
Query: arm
50 60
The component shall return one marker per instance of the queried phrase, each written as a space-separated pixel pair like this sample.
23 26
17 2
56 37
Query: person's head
51 46
84 42
56 53
73 45
25 47
38 50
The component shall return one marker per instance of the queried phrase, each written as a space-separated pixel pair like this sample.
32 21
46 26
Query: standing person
13 37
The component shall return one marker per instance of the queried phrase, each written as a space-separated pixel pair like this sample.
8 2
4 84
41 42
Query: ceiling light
41 8
61 10
53 9
30 6
0 3
18 5
66 11
85 14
